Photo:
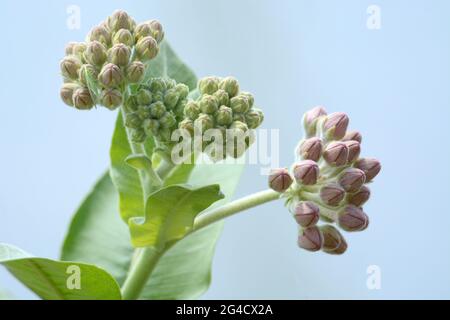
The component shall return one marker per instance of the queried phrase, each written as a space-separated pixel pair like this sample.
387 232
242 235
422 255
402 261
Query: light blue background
393 82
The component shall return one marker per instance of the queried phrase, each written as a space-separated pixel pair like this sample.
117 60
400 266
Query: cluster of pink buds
328 182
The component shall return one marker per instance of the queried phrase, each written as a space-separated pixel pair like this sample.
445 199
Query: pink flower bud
310 119
352 135
366 224
336 153
354 149
311 149
340 249
280 179
306 213
310 239
306 172
352 218
370 166
332 238
332 194
352 179
336 125
360 197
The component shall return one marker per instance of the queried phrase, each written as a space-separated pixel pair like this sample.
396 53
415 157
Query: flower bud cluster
327 182
113 56
155 109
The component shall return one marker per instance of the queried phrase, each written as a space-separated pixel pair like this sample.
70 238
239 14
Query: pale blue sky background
393 82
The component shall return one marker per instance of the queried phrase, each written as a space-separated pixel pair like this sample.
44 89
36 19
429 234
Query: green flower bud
204 122
354 149
352 218
187 124
171 98
110 76
120 20
208 104
182 90
164 134
360 197
310 119
79 49
352 179
142 30
370 166
332 194
151 126
306 172
336 153
100 34
179 109
250 98
123 36
67 91
138 136
192 110
238 125
230 85
208 85
95 53
222 97
70 66
157 109
143 112
119 55
352 135
157 84
310 239
144 97
111 98
147 48
224 116
135 72
87 71
158 96
157 30
310 149
82 99
332 238
133 121
280 179
69 48
239 117
239 104
306 213
253 119
167 120
131 104
335 125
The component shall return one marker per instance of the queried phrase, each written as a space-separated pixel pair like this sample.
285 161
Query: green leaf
138 161
170 214
98 236
56 280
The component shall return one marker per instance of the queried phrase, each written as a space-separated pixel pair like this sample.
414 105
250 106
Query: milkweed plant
148 228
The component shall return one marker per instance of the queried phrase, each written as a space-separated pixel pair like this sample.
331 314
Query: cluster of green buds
328 182
114 55
155 109
222 106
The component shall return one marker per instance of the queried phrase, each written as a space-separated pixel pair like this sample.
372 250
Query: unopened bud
208 104
230 85
354 149
111 98
110 76
239 126
157 109
192 110
135 71
224 116
79 49
187 124
147 48
182 90
306 213
253 119
370 166
310 239
123 36
331 238
239 104
204 122
100 34
208 85
311 149
82 99
280 179
157 30
70 66
335 125
119 55
120 20
67 91
171 98
133 121
332 194
250 98
352 179
352 218
142 30
95 53
352 135
150 126
306 172
222 97
87 73
138 136
360 197
69 48
310 120
144 97
167 120
336 153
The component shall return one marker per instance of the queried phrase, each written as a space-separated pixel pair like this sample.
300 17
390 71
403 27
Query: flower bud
95 53
79 49
340 249
167 120
138 136
171 98
143 112
120 20
332 194
310 239
123 36
147 48
306 213
253 119
135 71
204 122
331 238
157 109
354 149
239 117
66 92
208 104
69 48
111 98
187 124
224 116
144 97
280 179
110 76
352 218
335 125
133 121
150 126
222 97
82 99
370 166
352 135
336 153
310 119
157 30
311 149
238 125
250 98
70 66
208 85
366 224
100 34
239 104
192 110
306 172
142 30
182 90
352 179
119 55
86 72
360 197
230 85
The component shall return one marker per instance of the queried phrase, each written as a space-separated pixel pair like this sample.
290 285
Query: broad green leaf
170 214
98 236
56 280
